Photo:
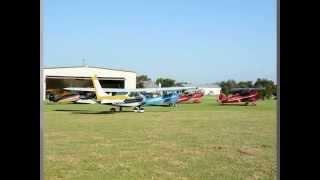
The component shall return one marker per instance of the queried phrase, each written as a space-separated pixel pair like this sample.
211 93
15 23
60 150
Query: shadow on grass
69 110
156 105
236 105
77 111
104 112
91 112
188 104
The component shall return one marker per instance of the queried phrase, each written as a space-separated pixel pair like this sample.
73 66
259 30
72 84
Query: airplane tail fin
98 89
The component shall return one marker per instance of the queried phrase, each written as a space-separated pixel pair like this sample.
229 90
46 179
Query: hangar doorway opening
63 82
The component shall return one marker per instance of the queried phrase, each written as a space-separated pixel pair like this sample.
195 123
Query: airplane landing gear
172 104
138 109
114 109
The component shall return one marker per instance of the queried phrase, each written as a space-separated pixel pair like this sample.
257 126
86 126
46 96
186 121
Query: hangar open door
54 82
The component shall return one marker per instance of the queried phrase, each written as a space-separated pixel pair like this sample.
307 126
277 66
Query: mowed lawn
191 141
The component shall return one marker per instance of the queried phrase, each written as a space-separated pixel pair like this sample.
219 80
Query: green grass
191 141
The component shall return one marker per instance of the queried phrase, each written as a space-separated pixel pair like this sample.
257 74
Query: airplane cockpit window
134 94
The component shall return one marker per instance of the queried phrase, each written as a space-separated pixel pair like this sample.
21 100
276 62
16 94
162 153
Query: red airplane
240 95
194 97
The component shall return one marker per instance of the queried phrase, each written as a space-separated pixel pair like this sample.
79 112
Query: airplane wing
80 89
162 89
130 90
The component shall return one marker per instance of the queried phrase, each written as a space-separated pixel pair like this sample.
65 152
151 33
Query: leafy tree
227 85
268 87
245 84
166 82
274 90
181 84
141 79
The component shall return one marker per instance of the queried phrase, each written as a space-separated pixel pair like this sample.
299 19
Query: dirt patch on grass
192 152
265 146
216 147
247 151
254 177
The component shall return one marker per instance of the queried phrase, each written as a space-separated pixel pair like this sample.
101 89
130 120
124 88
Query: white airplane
117 100
128 97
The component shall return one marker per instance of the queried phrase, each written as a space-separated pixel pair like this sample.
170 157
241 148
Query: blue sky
199 41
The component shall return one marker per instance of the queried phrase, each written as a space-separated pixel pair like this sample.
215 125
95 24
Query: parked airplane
168 99
65 96
240 95
117 100
193 97
131 97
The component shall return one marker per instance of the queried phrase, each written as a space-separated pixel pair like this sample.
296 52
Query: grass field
191 141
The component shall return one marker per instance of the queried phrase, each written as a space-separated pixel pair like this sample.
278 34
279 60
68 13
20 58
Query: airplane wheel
246 104
141 110
113 109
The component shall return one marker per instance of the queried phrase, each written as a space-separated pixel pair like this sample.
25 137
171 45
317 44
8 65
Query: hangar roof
60 67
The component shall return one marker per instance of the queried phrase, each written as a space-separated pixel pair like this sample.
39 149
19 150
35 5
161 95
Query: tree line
165 82
268 87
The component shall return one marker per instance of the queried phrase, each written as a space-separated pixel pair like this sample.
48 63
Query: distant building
210 89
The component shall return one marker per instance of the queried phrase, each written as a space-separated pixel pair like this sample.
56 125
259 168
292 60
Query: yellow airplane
117 100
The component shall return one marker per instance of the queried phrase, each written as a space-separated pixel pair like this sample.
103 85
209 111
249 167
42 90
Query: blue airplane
169 99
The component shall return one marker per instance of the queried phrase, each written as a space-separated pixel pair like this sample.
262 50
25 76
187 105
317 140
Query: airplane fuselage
161 100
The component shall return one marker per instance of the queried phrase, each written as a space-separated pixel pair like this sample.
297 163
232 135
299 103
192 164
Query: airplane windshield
134 94
151 95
